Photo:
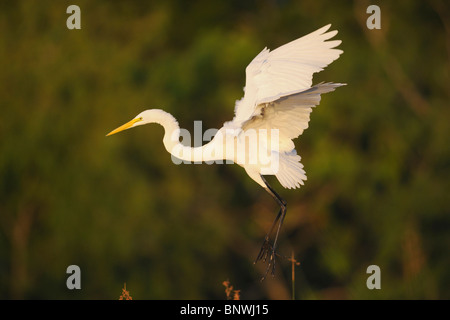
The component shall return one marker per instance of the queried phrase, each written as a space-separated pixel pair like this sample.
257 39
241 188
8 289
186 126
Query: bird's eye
140 118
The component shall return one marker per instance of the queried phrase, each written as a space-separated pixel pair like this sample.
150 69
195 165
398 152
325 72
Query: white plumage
286 70
278 94
275 109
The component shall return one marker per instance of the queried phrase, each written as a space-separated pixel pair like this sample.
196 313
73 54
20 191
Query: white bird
278 99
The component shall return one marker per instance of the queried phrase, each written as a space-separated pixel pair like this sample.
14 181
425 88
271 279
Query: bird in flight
278 99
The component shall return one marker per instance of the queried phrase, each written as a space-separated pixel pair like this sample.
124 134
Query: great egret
278 100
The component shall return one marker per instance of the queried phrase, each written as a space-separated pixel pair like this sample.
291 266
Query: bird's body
275 109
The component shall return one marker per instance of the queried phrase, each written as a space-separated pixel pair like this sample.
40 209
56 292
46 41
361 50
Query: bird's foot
267 254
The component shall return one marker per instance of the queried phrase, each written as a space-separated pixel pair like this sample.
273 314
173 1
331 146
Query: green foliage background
376 154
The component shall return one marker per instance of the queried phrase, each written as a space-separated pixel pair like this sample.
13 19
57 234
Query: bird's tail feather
290 171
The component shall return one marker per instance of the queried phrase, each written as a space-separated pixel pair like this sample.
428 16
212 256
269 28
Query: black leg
267 250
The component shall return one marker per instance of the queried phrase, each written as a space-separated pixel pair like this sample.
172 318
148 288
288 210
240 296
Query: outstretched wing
285 71
289 114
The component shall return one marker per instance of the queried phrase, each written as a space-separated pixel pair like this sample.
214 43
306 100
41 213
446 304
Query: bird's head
144 117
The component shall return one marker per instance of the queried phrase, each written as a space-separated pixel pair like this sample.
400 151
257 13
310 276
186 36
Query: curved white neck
172 143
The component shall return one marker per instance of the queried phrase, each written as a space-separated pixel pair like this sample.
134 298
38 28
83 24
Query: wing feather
289 114
278 95
286 70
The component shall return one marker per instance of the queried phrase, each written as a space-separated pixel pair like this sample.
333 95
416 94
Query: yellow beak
125 126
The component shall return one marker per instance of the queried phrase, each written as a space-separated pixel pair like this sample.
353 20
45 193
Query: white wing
278 95
285 70
289 114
